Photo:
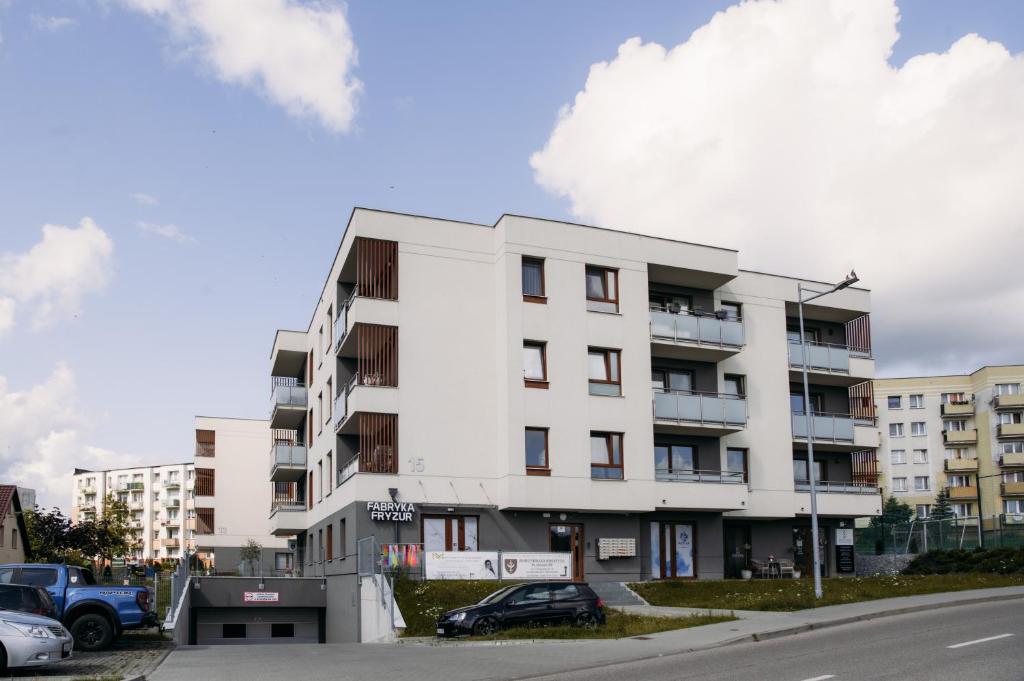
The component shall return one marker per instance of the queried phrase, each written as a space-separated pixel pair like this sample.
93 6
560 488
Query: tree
113 536
56 540
251 555
941 509
894 512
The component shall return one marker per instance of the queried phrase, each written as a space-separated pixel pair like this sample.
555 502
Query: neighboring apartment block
159 500
964 433
538 385
14 544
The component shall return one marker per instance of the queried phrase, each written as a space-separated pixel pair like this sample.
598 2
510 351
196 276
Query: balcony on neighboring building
172 483
696 413
963 492
1012 401
953 409
966 436
172 503
1012 489
968 465
1010 459
171 542
683 334
287 456
1010 430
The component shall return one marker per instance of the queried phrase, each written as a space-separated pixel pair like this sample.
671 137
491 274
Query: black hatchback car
535 604
31 599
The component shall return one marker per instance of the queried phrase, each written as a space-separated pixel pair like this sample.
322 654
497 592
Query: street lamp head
850 280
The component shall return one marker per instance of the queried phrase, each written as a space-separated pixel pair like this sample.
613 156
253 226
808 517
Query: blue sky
456 97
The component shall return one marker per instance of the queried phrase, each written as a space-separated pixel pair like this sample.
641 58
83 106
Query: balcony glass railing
824 427
698 475
712 409
287 392
685 327
821 357
291 454
341 320
836 487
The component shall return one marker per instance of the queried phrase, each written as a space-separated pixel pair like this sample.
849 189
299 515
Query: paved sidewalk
485 661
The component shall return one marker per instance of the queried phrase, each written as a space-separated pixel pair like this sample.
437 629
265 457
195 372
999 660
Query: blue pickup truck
95 614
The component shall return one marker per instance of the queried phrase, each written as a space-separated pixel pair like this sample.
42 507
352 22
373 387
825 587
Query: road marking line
822 678
980 640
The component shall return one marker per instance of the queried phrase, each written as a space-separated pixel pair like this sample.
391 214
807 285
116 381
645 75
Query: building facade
964 433
539 385
159 500
14 541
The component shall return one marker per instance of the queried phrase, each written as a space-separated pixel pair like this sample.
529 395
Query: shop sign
845 560
461 565
521 565
393 511
260 597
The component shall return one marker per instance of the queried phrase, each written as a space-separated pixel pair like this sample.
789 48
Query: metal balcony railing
287 453
836 487
711 409
699 475
341 319
824 427
287 392
824 356
682 326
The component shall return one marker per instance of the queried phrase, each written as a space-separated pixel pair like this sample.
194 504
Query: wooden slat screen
377 352
377 268
205 442
205 482
378 443
858 334
862 401
865 466
204 521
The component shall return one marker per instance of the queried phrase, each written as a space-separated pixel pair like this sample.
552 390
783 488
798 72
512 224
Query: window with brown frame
606 456
537 451
330 400
738 461
602 289
450 533
533 280
330 542
535 364
205 520
309 429
603 371
320 545
342 534
205 479
309 493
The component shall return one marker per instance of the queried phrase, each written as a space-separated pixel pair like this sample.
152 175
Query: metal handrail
694 313
699 475
704 329
836 486
716 414
704 393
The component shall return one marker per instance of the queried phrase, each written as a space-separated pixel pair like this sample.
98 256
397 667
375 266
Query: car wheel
586 620
485 627
3 659
92 632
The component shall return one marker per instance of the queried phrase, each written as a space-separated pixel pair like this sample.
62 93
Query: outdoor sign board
394 511
845 561
461 565
548 566
515 565
260 597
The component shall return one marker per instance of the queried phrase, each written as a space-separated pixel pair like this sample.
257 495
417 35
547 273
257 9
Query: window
917 428
330 467
233 630
921 511
962 510
330 400
959 480
731 311
537 451
920 456
674 459
898 456
733 384
811 335
917 401
330 542
676 380
606 456
206 479
1017 476
922 483
320 545
674 303
1013 506
603 371
796 403
1008 418
1012 447
309 499
320 411
14 538
957 453
953 398
535 364
736 461
895 402
895 430
34 576
899 484
602 289
452 533
533 280
1007 388
342 538
800 470
957 426
320 478
282 630
320 341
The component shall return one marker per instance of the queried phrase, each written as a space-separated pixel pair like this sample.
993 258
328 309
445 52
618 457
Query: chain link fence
921 536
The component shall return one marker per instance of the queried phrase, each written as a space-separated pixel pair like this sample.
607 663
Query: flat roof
976 371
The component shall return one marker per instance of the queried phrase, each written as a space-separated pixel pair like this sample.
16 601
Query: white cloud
172 232
41 432
144 199
7 306
780 128
55 274
49 24
299 56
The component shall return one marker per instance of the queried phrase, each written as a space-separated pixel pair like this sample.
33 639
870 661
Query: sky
175 175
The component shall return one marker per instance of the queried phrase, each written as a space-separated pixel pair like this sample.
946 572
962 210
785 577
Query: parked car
35 600
95 614
31 640
536 604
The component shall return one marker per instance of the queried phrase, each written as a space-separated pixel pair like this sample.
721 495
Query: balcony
287 402
684 335
830 364
699 476
341 320
967 436
692 413
968 492
171 542
1015 401
287 515
1012 459
172 484
836 487
1012 489
836 432
961 465
172 503
135 504
1010 430
287 459
957 409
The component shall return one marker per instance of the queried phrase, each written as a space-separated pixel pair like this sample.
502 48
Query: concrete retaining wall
886 564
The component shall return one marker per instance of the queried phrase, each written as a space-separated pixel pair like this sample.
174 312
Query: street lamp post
800 290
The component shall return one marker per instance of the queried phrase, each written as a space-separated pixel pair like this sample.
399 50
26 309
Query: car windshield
498 595
22 599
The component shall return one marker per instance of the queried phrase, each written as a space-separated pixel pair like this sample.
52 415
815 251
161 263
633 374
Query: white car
31 640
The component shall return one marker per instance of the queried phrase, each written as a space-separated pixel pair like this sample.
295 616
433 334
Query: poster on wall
526 565
684 551
671 550
461 565
845 560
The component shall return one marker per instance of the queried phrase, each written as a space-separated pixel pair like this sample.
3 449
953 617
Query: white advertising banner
844 537
522 565
461 565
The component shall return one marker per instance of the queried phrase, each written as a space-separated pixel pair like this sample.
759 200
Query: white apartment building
539 385
964 433
159 499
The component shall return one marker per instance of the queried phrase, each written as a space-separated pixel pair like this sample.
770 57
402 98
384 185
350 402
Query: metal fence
921 536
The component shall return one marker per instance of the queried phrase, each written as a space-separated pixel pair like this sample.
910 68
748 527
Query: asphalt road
912 647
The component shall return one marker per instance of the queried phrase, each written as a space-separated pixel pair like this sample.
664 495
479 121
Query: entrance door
672 550
803 555
569 538
737 549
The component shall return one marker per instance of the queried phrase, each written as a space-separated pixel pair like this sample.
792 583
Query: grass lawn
422 602
798 594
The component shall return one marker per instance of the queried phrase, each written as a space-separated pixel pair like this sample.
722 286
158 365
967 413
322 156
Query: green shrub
1004 561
